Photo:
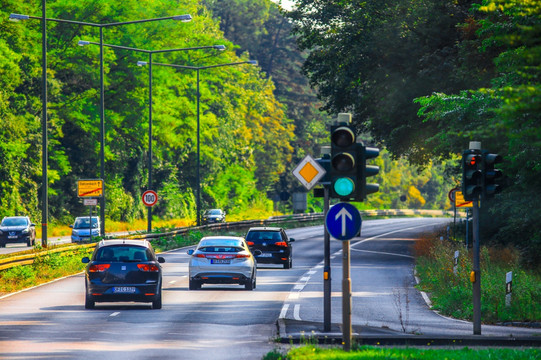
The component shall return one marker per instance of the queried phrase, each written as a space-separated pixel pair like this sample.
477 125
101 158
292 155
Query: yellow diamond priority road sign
309 172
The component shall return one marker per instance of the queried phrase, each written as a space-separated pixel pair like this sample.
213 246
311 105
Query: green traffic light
344 186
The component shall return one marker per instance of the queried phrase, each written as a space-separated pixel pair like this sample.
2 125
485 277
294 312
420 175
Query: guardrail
28 259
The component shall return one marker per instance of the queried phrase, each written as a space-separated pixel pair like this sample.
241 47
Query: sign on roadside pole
309 172
90 188
150 198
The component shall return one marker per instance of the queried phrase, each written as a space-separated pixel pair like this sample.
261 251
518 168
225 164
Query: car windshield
221 249
215 212
263 236
83 223
14 222
220 243
123 253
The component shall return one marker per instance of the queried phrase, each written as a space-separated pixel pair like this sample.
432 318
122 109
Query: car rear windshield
14 222
124 253
230 249
260 236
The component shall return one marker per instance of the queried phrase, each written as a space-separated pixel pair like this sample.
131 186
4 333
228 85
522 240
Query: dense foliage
257 123
242 123
426 77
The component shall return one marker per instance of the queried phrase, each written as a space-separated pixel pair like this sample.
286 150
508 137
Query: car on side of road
17 229
81 228
222 260
213 216
123 270
273 244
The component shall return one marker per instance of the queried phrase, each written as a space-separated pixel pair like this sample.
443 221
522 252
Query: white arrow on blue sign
343 221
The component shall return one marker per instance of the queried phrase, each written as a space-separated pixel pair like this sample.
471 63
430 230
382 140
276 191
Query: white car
222 260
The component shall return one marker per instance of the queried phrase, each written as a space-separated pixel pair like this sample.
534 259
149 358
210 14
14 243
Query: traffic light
368 170
471 175
490 174
344 163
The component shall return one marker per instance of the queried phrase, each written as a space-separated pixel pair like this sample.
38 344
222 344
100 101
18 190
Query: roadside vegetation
451 293
369 352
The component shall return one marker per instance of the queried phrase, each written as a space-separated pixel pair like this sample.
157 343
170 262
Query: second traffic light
344 163
490 174
368 170
471 175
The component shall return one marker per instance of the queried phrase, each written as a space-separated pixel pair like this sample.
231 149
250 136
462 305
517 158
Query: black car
123 270
273 243
214 216
17 229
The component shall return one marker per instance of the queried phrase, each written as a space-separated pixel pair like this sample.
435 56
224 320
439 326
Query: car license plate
12 237
265 255
220 261
124 290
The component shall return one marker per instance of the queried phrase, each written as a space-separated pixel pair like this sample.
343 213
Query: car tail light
250 243
199 255
148 267
242 255
98 267
281 243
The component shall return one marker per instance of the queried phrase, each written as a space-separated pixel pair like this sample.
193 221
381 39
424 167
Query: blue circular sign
343 221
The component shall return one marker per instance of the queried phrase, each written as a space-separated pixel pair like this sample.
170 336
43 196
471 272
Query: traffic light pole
477 271
326 268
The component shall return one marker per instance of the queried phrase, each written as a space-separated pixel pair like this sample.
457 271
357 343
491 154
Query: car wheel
194 285
2 245
157 303
29 242
89 303
288 264
250 284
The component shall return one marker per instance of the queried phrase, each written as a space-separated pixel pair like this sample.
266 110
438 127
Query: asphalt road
227 322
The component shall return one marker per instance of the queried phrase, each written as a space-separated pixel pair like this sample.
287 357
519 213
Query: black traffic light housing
344 181
490 174
368 170
472 175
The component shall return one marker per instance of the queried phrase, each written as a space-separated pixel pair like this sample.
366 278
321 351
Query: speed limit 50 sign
150 198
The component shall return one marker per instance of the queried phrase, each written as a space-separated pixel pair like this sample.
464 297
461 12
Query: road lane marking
306 278
384 253
172 282
296 312
293 295
284 311
115 313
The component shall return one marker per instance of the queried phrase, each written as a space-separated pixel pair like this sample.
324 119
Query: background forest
421 79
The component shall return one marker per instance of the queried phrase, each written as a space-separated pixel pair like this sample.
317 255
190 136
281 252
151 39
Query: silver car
222 260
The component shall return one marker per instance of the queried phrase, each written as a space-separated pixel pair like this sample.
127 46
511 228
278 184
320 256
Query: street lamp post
18 17
198 68
142 63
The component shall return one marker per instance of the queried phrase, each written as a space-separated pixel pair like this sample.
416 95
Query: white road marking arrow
343 213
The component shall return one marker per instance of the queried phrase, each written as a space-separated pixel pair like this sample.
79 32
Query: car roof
86 217
116 242
265 229
15 217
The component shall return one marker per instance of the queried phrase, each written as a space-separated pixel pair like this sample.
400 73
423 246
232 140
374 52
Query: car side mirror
161 260
291 239
71 226
85 260
190 252
32 224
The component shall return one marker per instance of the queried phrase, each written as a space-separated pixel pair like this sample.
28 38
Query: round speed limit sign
150 198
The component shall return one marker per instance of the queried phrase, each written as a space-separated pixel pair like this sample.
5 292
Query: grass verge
368 352
451 293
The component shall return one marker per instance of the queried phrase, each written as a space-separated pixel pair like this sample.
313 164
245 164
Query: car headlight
1 233
25 231
74 233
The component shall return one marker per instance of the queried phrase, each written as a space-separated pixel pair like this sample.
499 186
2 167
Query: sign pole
90 223
346 297
326 268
